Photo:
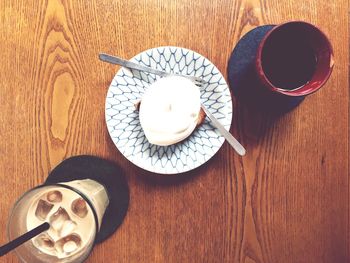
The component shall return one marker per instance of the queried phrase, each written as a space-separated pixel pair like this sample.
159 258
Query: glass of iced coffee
74 211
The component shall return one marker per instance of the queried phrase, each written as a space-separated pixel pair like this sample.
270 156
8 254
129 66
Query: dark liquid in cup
287 61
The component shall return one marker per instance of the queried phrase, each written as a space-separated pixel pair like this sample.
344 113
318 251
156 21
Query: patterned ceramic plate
123 123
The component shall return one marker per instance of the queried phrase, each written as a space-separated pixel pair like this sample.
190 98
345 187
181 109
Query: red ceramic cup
294 59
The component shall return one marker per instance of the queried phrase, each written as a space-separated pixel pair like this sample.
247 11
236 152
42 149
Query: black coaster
243 78
104 172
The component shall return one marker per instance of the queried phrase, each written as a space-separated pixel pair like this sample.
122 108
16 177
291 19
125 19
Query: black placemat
105 172
243 78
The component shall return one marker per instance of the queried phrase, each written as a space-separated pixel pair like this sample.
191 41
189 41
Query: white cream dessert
169 110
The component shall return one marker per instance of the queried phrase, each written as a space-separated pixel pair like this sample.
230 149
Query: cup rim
48 185
297 92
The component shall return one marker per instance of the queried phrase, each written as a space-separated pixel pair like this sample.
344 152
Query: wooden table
287 200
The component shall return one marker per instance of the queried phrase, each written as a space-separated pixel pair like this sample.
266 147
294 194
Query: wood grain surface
286 201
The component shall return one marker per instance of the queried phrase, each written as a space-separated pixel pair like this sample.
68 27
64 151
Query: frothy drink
72 221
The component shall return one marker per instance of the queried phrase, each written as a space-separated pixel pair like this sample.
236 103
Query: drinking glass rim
48 185
299 91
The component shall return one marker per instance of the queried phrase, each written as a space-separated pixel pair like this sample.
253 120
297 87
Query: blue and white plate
123 122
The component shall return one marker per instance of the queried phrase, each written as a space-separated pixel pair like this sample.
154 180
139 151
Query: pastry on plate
170 110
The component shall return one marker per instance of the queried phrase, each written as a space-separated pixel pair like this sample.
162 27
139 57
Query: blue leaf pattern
123 122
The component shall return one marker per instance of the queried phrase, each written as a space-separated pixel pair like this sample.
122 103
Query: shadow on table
257 109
